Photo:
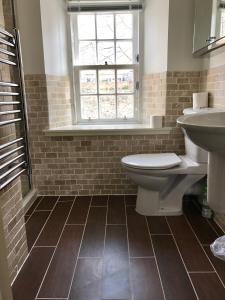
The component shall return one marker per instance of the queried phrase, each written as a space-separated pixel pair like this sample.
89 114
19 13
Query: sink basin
208 132
205 130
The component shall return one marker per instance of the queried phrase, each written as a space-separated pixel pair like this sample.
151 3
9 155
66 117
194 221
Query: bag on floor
218 247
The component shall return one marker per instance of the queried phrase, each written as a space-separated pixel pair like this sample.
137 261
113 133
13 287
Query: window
106 66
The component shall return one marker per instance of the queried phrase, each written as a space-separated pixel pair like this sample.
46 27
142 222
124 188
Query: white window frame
136 67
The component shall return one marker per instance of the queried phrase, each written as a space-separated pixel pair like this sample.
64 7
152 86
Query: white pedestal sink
208 132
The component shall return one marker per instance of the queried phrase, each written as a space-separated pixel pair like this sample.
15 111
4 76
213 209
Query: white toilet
164 178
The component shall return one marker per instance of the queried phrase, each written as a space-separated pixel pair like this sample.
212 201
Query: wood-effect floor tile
115 281
208 286
218 264
139 239
58 278
78 214
87 280
53 228
158 225
66 198
99 200
130 200
193 255
116 210
29 279
33 206
201 227
145 279
174 277
47 203
93 240
34 226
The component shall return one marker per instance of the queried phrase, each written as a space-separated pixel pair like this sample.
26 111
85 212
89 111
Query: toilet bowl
162 181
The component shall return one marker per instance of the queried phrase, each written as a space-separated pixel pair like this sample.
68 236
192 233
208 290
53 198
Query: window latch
137 85
137 58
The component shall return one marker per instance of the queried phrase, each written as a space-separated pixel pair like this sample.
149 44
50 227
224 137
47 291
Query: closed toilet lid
152 161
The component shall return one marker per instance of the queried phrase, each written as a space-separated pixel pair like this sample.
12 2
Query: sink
208 132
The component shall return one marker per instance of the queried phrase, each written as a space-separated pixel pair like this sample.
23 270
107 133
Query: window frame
135 66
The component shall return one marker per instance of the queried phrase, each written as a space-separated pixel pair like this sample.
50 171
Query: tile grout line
182 259
155 257
35 240
34 209
78 253
204 251
128 249
103 255
55 248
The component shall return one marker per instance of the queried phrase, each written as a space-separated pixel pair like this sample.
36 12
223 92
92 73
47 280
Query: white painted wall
180 43
29 24
54 32
156 20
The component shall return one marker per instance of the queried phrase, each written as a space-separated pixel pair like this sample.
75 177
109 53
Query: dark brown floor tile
34 226
99 200
26 218
130 199
219 264
87 280
79 211
202 229
145 279
116 284
93 240
218 230
139 240
47 203
66 198
53 228
116 210
29 279
189 245
34 205
58 278
208 286
158 225
175 280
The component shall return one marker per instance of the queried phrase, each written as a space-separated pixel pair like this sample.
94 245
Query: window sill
91 130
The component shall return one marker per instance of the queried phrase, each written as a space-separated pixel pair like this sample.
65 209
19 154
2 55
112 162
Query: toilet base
165 203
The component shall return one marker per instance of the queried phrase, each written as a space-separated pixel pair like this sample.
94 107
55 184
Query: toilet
164 178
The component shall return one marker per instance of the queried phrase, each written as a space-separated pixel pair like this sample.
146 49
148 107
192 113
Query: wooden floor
95 248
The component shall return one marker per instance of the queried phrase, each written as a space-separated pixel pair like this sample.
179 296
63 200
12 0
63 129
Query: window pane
86 27
124 53
106 81
125 81
107 107
124 26
89 107
87 53
125 106
106 53
105 27
88 84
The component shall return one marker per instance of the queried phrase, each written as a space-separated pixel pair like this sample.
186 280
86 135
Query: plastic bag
218 247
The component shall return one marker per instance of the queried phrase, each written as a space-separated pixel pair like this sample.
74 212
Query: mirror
209 27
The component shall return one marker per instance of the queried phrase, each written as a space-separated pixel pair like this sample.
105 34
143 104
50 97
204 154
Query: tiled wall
213 81
11 203
91 165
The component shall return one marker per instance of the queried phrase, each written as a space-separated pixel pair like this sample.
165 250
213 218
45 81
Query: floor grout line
78 253
201 272
156 261
35 240
128 249
182 259
104 243
204 251
55 247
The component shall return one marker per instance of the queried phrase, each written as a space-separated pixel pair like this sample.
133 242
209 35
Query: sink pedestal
216 182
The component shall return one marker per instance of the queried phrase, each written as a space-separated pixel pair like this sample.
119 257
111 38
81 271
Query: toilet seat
159 161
